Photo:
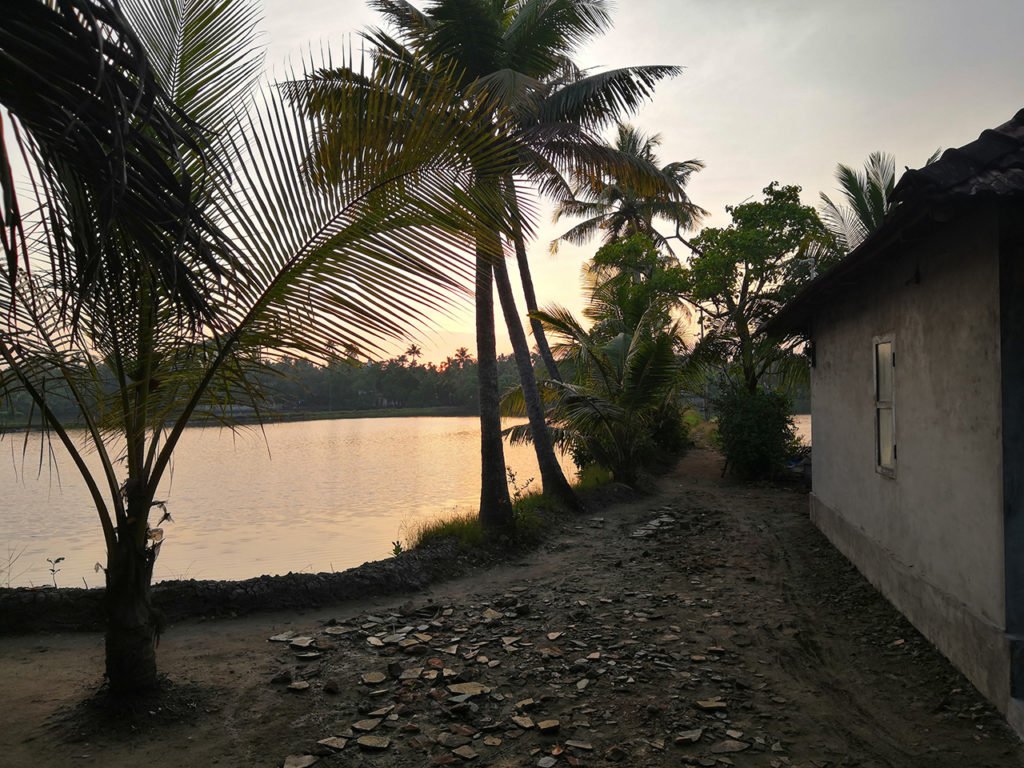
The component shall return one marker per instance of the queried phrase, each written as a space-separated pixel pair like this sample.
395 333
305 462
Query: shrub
756 432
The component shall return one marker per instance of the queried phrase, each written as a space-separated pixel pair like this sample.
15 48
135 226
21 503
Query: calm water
312 496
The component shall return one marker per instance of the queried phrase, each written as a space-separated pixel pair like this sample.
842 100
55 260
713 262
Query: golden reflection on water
312 496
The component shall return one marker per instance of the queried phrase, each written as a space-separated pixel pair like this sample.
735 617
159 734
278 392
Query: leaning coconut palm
613 204
149 324
517 52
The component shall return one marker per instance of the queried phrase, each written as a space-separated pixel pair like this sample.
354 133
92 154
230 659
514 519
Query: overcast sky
772 90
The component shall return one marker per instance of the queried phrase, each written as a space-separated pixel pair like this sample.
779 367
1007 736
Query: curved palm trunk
133 627
495 504
551 474
528 292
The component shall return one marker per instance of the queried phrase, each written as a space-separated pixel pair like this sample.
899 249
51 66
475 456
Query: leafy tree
517 53
864 200
742 274
613 203
178 257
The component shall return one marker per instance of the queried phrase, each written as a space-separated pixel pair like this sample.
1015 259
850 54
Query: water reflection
312 496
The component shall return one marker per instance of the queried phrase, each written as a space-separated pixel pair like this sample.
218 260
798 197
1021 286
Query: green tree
742 274
178 257
517 53
614 204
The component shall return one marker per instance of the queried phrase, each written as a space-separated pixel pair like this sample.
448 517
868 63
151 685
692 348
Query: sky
771 90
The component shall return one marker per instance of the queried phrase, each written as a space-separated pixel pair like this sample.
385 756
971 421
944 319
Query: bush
756 432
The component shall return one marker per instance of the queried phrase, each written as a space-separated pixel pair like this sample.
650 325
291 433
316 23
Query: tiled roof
991 167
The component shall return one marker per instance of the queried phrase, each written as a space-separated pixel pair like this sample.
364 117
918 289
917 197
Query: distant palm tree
615 206
463 357
414 352
169 258
865 199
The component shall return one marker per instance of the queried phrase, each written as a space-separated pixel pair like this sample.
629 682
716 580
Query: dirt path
709 625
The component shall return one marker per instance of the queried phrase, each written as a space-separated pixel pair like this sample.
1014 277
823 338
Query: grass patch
592 476
531 513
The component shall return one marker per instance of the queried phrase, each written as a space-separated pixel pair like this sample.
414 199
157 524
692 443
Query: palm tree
414 352
621 395
240 256
614 205
517 53
865 199
463 357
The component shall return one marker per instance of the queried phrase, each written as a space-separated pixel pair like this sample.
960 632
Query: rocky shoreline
46 609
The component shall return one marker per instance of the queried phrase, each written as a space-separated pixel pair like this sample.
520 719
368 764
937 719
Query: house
917 395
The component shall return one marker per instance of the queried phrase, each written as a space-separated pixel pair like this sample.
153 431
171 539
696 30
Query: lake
310 496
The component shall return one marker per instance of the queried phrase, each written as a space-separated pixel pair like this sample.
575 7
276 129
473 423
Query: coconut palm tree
616 206
864 200
163 262
517 52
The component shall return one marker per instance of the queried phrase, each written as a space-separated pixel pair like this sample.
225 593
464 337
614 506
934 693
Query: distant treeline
299 386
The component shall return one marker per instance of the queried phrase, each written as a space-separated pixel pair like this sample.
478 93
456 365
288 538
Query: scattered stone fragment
522 721
375 641
586 746
452 740
729 746
413 673
492 741
490 614
367 725
333 742
299 685
712 705
734 734
468 689
689 737
301 642
547 762
373 743
552 636
284 637
337 631
466 753
373 678
548 726
299 761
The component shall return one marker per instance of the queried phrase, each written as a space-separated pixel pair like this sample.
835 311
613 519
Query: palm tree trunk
552 477
495 504
528 293
132 622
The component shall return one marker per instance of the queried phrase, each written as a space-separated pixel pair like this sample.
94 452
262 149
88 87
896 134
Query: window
885 415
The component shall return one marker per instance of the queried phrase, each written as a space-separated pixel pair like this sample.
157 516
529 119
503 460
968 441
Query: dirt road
709 625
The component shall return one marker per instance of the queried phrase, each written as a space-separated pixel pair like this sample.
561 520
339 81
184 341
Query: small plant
397 548
518 491
54 570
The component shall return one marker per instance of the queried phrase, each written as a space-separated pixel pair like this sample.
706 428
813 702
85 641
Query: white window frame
883 405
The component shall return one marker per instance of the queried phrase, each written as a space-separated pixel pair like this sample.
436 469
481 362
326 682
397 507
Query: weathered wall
931 537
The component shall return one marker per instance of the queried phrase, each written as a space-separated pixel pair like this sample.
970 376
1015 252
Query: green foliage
619 409
610 200
592 476
743 274
756 432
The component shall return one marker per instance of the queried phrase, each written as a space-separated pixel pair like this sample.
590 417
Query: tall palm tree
241 256
864 200
517 52
618 207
